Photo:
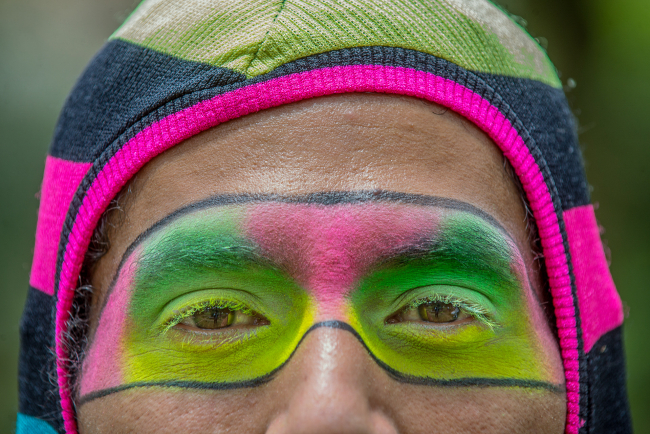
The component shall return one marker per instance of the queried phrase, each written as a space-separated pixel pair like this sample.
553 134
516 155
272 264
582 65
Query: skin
332 384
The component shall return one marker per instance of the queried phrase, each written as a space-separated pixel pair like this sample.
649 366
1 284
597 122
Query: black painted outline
394 374
319 198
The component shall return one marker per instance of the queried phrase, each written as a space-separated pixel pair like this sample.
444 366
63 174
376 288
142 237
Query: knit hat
176 68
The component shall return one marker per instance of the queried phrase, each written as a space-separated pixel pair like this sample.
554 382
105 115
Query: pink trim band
601 309
286 89
60 183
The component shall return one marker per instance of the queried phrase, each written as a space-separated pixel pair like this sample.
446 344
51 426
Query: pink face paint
328 248
107 347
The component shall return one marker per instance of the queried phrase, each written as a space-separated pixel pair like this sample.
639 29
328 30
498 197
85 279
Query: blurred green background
600 47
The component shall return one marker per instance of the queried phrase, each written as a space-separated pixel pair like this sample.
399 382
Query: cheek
479 410
411 409
156 411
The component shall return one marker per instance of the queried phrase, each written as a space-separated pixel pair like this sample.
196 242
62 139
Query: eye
212 318
218 318
437 312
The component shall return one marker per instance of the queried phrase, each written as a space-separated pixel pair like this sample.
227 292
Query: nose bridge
331 388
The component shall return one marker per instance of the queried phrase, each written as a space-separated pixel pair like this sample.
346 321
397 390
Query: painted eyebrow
184 252
320 198
468 244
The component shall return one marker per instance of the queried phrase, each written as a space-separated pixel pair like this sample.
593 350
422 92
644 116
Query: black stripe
39 396
123 84
608 409
398 376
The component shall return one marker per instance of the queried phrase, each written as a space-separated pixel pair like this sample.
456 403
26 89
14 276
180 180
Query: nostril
382 424
362 422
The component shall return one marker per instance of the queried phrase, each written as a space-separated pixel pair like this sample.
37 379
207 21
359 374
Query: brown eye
217 319
439 312
213 318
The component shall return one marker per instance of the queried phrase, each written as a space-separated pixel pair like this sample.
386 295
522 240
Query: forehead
338 143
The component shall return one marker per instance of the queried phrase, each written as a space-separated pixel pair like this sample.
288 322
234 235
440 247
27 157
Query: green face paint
204 262
292 266
470 264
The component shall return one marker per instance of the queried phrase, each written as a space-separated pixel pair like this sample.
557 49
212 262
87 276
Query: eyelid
188 311
186 305
474 309
473 302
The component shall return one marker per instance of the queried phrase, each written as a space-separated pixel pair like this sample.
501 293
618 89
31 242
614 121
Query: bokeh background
600 47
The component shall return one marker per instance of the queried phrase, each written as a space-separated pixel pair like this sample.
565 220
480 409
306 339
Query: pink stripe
60 183
340 79
601 309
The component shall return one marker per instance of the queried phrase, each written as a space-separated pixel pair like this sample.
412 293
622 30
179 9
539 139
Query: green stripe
256 36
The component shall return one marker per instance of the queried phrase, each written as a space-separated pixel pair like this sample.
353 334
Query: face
354 263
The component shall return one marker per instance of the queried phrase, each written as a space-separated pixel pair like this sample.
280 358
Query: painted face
220 294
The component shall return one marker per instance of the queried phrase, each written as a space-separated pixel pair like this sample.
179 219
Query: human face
355 263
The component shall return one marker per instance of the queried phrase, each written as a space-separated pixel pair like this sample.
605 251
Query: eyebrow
319 198
185 252
466 244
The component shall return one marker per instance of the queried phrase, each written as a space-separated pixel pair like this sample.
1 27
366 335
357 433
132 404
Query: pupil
214 318
439 312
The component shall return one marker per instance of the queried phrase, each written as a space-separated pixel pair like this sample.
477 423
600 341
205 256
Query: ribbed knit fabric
176 68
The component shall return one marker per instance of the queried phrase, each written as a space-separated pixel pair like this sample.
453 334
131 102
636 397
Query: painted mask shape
219 295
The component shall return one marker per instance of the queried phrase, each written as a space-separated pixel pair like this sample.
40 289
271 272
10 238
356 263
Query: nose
332 382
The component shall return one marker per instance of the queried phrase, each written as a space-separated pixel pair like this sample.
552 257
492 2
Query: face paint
100 371
468 264
368 267
199 261
326 249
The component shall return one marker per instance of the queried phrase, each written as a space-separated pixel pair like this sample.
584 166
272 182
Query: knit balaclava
177 68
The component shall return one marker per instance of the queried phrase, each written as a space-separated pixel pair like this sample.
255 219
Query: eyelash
190 310
474 309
